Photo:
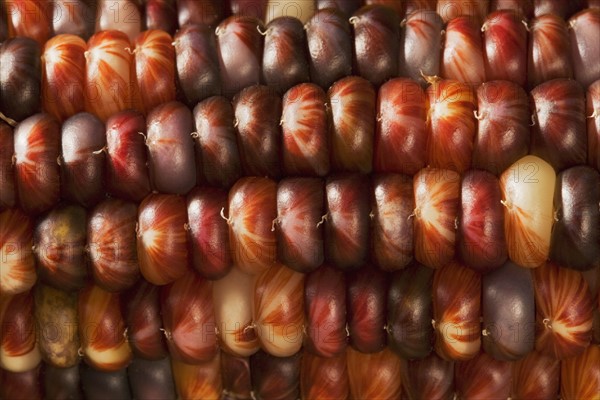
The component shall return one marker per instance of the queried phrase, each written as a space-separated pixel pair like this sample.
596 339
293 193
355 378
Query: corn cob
355 371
